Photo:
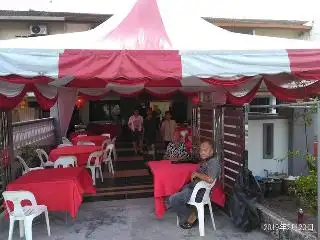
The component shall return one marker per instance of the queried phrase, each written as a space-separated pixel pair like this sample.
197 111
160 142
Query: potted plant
305 190
273 187
288 183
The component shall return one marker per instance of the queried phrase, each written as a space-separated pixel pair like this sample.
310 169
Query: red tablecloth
75 134
81 152
60 189
168 179
97 140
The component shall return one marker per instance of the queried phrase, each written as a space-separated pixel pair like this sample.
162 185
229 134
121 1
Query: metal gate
6 150
225 126
233 144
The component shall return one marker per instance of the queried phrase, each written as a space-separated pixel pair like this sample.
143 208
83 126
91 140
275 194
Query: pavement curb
281 228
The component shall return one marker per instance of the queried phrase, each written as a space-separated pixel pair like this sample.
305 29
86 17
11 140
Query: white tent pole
246 123
318 168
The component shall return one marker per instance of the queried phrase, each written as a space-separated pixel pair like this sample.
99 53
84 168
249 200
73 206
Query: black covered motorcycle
243 208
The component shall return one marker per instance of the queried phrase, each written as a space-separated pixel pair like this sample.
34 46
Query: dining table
81 133
168 179
60 189
97 139
81 152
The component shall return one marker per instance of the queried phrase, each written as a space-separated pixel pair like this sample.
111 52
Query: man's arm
213 172
173 128
142 124
202 177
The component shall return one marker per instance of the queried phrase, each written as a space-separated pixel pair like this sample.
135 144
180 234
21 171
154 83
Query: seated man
176 150
208 171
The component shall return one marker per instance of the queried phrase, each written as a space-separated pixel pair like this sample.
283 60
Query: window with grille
268 140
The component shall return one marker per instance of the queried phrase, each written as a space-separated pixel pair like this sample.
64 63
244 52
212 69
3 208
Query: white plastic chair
94 162
66 141
152 151
107 157
106 135
66 161
104 144
81 135
206 200
43 156
113 141
25 167
64 145
26 214
82 143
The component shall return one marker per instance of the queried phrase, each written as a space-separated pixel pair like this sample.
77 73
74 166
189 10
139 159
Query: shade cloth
63 109
11 94
60 189
97 140
81 152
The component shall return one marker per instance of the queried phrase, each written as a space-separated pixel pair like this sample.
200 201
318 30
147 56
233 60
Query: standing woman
150 130
135 124
168 128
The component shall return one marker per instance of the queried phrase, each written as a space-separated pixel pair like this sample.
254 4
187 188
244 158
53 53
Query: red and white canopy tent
155 46
152 46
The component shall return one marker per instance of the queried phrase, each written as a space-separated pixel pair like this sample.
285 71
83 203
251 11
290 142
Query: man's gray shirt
210 168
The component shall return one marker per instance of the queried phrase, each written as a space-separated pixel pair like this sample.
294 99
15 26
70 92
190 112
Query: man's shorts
136 136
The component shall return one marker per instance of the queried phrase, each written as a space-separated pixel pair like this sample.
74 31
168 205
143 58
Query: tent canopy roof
158 46
157 25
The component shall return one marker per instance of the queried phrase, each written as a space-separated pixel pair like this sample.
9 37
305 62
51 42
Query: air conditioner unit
38 30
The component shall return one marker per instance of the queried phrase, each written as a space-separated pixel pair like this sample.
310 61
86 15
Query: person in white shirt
135 124
168 128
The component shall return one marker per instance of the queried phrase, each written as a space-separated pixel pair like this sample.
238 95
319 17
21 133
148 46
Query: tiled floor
127 220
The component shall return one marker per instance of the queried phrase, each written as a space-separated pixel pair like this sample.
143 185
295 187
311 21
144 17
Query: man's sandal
187 225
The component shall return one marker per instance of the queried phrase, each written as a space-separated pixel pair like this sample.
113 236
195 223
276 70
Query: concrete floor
127 220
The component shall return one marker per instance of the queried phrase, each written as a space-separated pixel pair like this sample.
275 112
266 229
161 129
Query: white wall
255 147
315 32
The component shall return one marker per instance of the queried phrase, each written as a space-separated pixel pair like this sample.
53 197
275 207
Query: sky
254 9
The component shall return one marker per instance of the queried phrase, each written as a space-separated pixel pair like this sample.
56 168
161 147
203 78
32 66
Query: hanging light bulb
195 99
24 103
79 102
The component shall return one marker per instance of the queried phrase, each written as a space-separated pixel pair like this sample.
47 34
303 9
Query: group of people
147 130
